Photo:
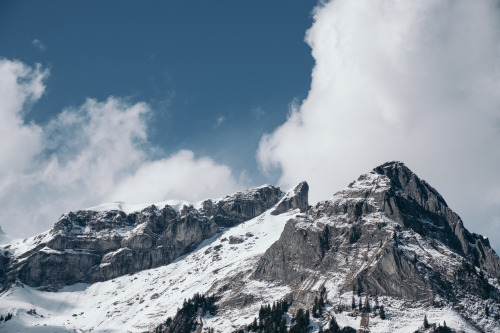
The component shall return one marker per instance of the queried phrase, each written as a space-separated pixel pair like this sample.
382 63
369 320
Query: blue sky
147 101
216 74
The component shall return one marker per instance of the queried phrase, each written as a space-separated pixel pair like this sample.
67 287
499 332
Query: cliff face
388 233
389 237
90 246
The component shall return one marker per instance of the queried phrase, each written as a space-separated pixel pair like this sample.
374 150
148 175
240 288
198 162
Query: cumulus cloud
94 153
416 81
15 96
179 176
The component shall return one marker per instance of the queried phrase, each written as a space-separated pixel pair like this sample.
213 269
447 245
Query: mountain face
90 246
388 238
383 231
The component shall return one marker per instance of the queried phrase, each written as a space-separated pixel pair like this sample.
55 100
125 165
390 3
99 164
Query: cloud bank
97 152
416 81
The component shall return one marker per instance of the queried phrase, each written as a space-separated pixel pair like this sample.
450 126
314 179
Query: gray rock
361 233
89 246
298 198
236 240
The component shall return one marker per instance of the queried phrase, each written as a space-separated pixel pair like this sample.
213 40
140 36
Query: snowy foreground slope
388 237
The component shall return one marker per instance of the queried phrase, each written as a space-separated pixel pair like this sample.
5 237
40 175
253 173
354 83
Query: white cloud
39 44
20 141
178 176
86 156
219 121
416 81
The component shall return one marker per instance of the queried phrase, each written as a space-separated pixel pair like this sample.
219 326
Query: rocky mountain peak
373 233
388 236
393 190
403 179
298 197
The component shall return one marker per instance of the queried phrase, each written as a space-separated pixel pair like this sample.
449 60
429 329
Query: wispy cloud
38 44
97 152
219 121
258 112
417 81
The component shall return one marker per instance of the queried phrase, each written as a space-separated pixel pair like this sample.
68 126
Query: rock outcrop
297 198
388 233
90 246
388 238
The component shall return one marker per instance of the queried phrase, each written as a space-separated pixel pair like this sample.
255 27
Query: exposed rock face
388 233
298 198
90 246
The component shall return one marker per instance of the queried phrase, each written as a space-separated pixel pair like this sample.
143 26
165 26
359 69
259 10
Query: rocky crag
389 237
89 246
383 232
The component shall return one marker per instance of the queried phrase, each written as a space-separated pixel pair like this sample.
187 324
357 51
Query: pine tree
333 326
426 323
367 305
382 312
315 308
487 311
353 303
283 325
254 324
301 322
321 304
359 304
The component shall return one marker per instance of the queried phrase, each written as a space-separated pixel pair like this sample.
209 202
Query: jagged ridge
90 246
388 234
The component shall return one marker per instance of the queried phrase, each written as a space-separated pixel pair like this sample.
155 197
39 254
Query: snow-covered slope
388 237
141 301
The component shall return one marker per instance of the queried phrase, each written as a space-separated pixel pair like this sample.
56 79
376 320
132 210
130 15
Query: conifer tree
315 308
333 327
283 325
426 323
254 324
382 312
367 305
321 304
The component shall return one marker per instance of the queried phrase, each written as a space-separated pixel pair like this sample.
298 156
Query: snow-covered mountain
388 239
